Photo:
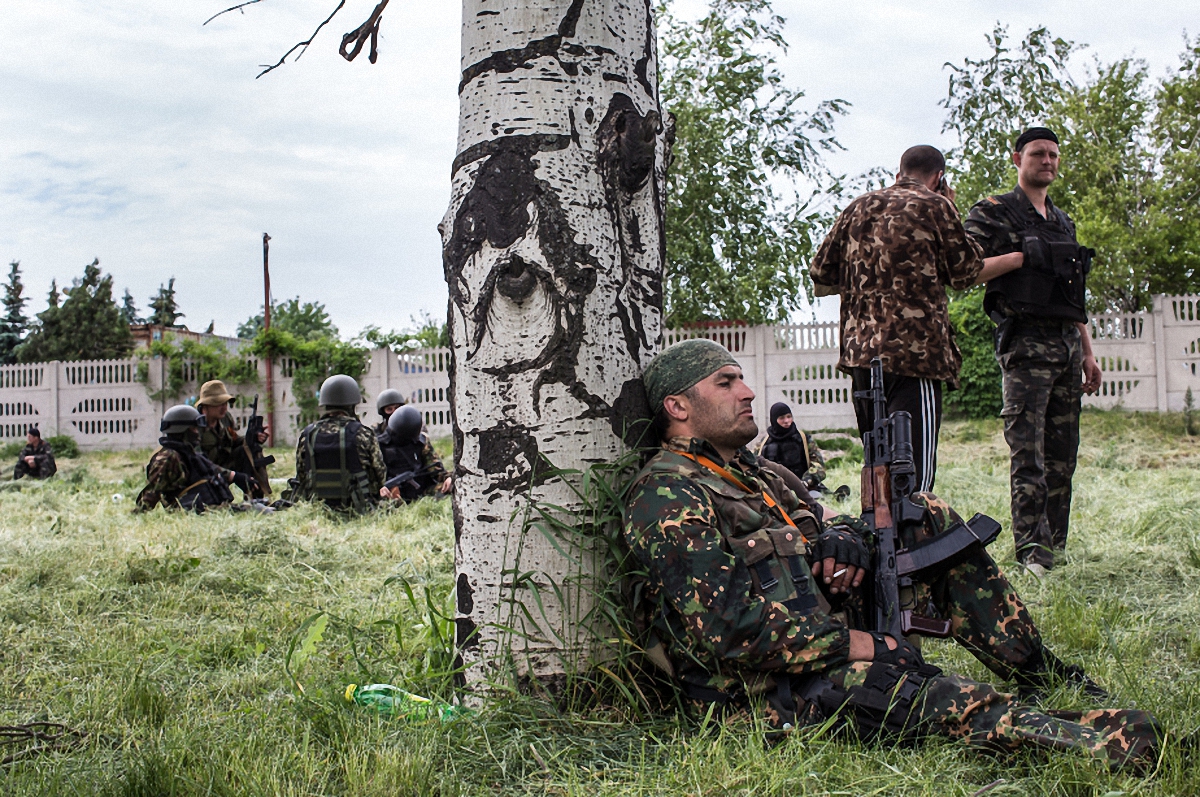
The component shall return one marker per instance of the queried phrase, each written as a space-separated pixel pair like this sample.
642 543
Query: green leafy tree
979 395
737 245
304 320
87 325
166 309
14 323
1176 135
421 333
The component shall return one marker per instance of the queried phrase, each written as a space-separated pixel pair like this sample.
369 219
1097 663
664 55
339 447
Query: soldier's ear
676 407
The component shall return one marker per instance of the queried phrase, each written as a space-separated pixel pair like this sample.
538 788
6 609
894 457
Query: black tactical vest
1051 283
335 472
206 486
402 458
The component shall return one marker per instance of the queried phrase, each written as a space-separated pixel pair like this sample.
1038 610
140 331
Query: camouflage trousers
1043 376
897 703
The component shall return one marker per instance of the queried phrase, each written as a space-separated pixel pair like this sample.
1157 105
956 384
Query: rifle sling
704 461
946 547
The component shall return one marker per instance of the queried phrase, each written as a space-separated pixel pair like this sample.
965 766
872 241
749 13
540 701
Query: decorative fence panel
1149 361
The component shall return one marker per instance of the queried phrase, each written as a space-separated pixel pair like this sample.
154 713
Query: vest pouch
1067 259
790 548
757 552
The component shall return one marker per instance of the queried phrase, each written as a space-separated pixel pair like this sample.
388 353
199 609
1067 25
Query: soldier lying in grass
730 555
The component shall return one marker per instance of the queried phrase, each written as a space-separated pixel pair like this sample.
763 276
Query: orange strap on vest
729 477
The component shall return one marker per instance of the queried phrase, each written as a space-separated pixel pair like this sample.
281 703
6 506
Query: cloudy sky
131 132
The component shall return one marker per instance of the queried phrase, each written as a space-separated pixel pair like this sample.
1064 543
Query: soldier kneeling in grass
730 555
179 476
36 460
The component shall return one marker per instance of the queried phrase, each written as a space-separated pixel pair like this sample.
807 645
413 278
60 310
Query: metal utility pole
267 325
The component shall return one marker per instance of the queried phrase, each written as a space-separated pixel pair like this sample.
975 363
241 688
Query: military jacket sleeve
989 228
432 463
166 478
671 527
816 462
371 457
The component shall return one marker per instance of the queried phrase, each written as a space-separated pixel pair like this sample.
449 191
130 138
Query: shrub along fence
1149 361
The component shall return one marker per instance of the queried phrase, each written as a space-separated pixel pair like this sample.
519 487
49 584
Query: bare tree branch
238 7
359 35
301 46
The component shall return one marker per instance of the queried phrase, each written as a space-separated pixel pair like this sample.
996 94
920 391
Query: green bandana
682 365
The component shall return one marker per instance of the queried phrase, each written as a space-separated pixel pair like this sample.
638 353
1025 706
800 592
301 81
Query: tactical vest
206 487
403 458
335 472
1051 283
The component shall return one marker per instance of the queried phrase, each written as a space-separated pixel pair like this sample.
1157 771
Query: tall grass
192 652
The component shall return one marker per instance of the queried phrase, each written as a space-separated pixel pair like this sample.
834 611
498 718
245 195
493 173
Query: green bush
10 450
63 446
979 395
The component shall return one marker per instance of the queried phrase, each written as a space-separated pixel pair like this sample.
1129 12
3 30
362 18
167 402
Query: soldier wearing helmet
179 475
338 461
386 403
406 450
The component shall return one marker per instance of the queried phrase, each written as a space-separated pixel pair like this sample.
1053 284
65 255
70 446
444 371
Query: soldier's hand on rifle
841 559
262 437
445 486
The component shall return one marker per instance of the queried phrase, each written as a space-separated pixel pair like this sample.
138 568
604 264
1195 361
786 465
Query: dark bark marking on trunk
630 417
465 636
626 155
534 142
518 58
642 65
466 595
500 450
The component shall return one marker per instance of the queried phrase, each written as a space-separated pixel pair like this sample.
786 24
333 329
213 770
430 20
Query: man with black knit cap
1042 344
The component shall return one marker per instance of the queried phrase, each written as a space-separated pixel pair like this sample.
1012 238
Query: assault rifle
888 480
410 489
254 450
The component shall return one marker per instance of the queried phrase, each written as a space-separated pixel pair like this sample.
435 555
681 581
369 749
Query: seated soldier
408 453
730 556
219 440
386 403
178 475
338 461
36 460
787 445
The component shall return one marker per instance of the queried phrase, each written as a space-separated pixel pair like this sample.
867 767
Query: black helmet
180 418
387 398
405 424
340 390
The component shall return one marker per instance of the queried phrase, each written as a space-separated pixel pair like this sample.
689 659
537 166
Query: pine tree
14 324
87 325
129 310
166 311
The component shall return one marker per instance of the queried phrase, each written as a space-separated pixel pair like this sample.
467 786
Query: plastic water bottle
396 702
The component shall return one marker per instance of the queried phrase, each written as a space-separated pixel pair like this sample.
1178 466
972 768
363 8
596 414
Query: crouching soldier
338 461
386 403
36 460
178 475
732 561
413 467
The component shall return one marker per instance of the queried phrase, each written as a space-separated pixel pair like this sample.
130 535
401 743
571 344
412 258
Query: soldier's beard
726 428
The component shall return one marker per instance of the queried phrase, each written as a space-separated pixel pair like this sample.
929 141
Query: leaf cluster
980 394
87 325
421 333
737 242
312 361
303 320
14 324
191 360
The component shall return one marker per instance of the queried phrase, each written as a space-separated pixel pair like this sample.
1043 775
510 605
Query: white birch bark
553 252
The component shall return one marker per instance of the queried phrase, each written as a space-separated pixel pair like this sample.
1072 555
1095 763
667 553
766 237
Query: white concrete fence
1149 361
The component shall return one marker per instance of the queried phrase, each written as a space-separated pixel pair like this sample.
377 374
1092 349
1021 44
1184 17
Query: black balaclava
779 409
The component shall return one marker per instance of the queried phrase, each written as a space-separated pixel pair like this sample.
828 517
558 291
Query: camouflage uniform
171 478
365 445
730 591
891 255
1042 363
221 444
414 456
43 462
799 453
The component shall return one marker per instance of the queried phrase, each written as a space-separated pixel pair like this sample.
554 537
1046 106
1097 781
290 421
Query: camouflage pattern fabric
43 462
167 477
730 640
365 443
220 443
681 365
891 255
799 453
1042 364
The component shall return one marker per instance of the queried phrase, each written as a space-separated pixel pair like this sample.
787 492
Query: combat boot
1038 675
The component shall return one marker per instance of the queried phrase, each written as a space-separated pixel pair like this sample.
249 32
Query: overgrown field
180 646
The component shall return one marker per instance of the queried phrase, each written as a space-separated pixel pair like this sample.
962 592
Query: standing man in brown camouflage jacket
891 255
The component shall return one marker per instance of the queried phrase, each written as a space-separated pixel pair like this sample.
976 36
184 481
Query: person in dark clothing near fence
36 460
793 448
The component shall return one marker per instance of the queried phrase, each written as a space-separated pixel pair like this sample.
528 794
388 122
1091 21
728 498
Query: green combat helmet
340 391
180 418
387 398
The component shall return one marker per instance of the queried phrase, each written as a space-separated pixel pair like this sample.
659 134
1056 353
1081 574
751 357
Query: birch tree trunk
553 251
